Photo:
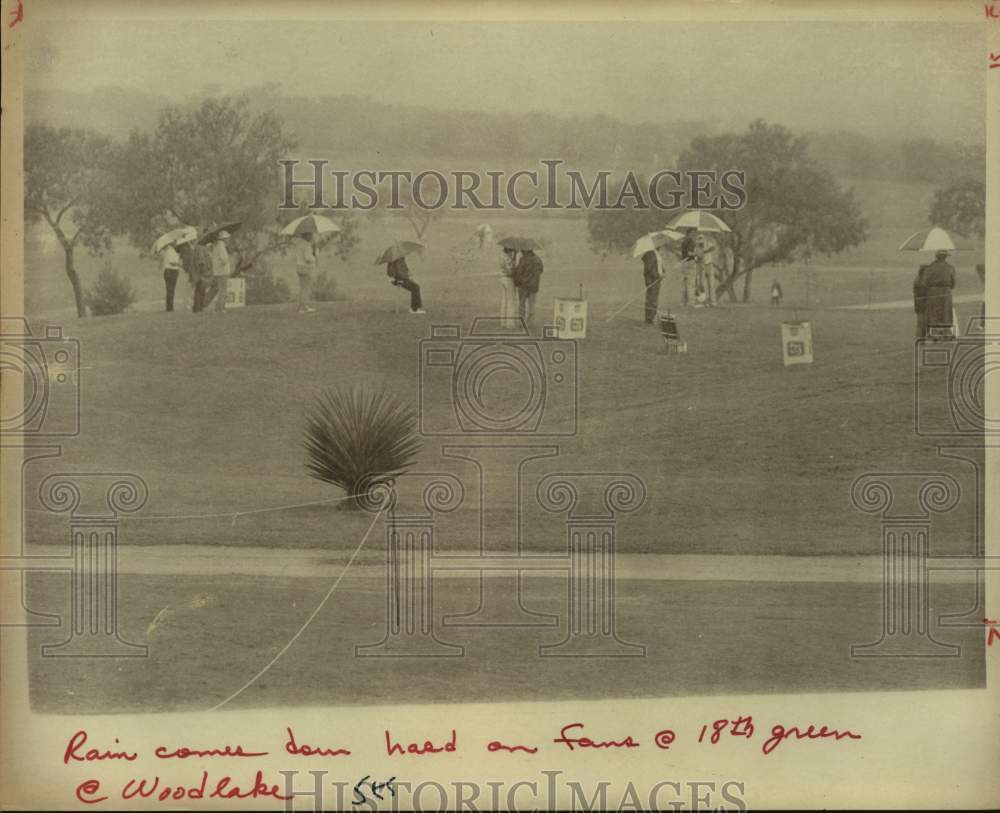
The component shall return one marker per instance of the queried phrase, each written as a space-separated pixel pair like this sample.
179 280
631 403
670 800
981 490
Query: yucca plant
358 438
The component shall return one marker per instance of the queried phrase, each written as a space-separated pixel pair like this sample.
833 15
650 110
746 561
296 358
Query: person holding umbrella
398 271
527 278
306 228
939 282
508 293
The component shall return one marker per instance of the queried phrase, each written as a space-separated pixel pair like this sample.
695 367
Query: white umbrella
312 224
702 221
934 239
182 234
655 240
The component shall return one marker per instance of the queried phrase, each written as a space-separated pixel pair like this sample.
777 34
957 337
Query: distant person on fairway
920 302
170 262
776 293
651 276
305 267
221 270
399 274
527 278
939 279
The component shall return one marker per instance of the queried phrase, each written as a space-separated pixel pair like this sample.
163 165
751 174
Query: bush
356 439
110 294
325 288
264 289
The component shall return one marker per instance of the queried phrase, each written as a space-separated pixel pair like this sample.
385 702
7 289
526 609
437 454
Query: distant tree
210 165
66 175
614 231
794 208
960 207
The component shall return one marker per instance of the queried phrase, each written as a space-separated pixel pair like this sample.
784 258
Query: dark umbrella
521 243
211 234
397 251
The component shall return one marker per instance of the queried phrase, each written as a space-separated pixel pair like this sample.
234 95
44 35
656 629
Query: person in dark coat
527 279
920 302
651 276
939 281
399 273
197 262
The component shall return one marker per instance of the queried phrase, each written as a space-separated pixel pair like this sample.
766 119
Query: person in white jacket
221 270
508 293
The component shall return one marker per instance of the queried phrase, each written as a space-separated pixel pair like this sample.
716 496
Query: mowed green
738 453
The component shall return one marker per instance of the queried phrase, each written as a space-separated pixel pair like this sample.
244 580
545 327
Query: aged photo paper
509 406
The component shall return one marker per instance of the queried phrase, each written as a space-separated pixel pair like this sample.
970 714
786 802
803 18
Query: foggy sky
898 80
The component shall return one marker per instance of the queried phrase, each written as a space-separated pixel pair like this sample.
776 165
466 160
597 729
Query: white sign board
797 342
236 292
571 318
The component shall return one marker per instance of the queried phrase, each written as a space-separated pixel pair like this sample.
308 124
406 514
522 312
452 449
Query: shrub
264 289
325 288
357 438
111 293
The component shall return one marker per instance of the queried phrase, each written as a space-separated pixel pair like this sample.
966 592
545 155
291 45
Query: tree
794 207
616 230
960 207
66 174
209 165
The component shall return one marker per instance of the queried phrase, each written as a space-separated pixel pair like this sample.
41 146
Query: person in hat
939 282
651 276
527 279
705 270
305 267
170 263
399 274
221 270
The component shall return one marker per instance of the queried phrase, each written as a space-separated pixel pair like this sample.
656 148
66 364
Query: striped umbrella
183 234
311 224
654 240
697 219
935 239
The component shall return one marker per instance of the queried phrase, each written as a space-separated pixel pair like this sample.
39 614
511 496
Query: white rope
308 621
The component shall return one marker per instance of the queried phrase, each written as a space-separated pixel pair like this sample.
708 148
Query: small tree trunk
747 279
74 280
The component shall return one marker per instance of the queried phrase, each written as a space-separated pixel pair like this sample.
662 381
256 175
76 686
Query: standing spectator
508 293
221 270
197 261
527 277
399 273
651 276
920 302
688 267
305 267
705 264
776 293
939 279
170 262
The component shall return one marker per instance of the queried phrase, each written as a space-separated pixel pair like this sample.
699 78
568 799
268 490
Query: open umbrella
520 243
655 240
935 239
211 234
398 250
702 221
182 234
311 224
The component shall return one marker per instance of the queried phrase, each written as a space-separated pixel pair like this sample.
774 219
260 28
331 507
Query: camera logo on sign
49 367
496 382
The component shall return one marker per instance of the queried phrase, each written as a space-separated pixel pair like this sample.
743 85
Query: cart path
899 304
227 561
